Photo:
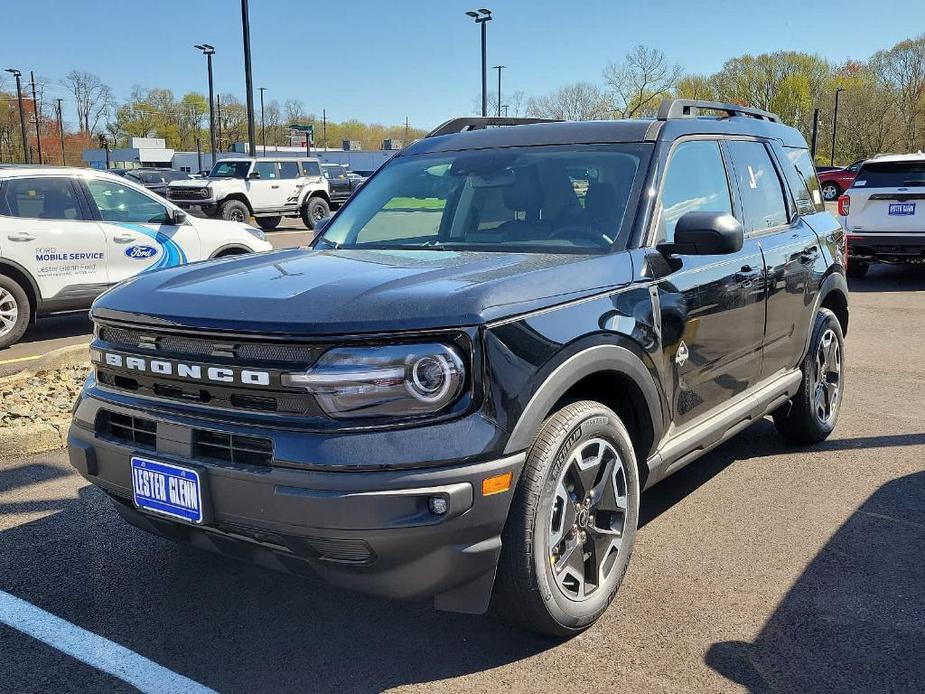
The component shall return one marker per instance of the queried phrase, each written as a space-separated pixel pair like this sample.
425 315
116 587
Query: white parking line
96 651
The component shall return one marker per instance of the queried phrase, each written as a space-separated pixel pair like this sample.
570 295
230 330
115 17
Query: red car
836 181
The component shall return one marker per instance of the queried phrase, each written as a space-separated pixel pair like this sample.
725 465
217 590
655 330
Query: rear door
139 231
46 228
340 184
889 196
790 249
290 177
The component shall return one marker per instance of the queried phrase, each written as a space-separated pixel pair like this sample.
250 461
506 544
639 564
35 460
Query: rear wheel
570 531
856 269
234 211
830 191
269 223
15 311
314 211
812 413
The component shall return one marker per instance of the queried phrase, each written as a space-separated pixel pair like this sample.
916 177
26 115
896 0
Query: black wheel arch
24 278
235 196
230 249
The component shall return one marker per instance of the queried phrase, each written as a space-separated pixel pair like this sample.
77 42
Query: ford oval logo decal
140 252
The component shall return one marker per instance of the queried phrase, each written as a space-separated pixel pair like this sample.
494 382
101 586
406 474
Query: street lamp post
482 17
838 91
263 126
37 114
248 79
208 51
61 133
22 117
499 68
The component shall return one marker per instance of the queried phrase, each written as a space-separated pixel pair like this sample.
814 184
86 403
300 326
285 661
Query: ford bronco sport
459 392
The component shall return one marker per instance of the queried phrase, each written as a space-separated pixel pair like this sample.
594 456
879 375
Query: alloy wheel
9 312
826 394
587 520
829 192
317 212
237 216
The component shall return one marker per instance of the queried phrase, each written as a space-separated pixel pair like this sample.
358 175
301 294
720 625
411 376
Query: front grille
185 194
141 432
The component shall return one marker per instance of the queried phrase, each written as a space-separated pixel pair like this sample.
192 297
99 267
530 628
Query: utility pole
22 115
505 107
815 139
61 133
499 68
248 79
482 17
838 91
263 126
405 142
324 128
37 113
218 113
199 153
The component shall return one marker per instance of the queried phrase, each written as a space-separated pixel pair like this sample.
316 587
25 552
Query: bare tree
576 101
902 69
639 83
295 111
92 98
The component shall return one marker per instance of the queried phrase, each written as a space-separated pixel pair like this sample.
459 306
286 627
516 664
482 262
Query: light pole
838 91
263 127
499 68
248 79
22 118
37 114
208 51
482 17
61 133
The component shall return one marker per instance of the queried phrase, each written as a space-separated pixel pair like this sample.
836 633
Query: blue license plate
169 489
902 209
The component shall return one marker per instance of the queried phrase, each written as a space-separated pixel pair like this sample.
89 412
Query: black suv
461 389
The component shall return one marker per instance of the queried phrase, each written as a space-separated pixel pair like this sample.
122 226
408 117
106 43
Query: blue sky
382 61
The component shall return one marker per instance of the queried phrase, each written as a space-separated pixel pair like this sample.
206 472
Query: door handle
123 239
274 187
21 236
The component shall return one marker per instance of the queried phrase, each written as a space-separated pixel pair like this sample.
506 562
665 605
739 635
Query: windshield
230 169
891 174
557 199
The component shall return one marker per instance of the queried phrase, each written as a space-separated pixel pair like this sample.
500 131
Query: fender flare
33 285
240 197
313 193
834 282
594 359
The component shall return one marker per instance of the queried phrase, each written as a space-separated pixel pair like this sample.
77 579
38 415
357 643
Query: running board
692 442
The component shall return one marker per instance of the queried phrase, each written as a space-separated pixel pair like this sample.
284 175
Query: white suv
884 212
67 234
267 189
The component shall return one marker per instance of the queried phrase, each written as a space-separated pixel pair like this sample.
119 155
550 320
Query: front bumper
371 531
205 208
872 247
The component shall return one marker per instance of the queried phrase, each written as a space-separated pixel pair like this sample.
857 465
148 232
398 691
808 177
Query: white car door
139 229
46 230
266 191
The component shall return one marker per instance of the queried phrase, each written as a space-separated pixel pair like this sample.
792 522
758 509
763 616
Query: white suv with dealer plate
884 213
67 234
266 189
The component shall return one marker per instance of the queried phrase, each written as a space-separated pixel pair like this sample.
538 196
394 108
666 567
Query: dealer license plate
168 489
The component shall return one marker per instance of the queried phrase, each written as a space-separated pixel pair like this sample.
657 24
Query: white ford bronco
267 189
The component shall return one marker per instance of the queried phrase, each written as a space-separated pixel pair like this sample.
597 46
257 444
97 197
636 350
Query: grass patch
415 204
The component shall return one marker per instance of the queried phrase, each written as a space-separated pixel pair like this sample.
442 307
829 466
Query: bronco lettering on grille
194 372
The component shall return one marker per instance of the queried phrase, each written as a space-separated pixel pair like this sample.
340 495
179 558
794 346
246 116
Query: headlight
256 233
205 192
388 381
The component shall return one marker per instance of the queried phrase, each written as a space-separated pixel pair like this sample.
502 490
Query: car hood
325 292
189 183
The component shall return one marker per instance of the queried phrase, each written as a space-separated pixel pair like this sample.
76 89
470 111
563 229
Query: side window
759 185
119 203
803 181
695 181
311 168
266 169
39 198
289 169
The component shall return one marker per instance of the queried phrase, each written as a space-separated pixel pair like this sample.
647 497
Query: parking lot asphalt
74 328
761 567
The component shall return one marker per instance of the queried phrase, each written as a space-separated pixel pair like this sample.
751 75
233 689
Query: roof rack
690 108
461 125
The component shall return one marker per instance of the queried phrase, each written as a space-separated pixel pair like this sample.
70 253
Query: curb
37 437
72 355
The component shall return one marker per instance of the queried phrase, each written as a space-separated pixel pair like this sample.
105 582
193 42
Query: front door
712 306
339 182
266 192
140 233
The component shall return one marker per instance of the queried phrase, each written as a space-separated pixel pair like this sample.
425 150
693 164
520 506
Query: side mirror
254 174
177 217
321 225
705 233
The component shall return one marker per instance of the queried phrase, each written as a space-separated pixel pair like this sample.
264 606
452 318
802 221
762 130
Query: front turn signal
497 483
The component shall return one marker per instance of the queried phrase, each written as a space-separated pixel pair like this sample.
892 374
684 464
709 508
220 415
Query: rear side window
695 181
39 198
759 186
311 168
803 181
891 174
288 169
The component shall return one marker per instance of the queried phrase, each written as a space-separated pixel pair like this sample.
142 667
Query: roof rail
461 125
690 108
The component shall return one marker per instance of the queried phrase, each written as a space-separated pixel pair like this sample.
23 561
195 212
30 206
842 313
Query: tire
15 311
830 191
530 591
857 270
269 223
234 211
315 209
813 412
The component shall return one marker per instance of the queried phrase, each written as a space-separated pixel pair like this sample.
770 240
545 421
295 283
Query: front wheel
570 531
15 311
314 211
812 413
233 211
